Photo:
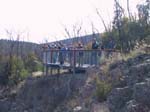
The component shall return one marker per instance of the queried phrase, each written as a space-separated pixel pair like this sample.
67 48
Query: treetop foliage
128 32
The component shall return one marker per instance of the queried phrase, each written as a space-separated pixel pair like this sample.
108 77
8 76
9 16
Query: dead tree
74 32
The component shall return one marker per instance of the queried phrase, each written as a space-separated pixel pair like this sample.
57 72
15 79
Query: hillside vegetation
18 60
120 86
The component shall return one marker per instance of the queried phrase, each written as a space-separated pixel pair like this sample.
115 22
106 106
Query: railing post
74 61
57 59
46 63
51 57
43 56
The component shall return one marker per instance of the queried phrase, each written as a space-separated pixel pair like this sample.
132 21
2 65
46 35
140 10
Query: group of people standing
62 53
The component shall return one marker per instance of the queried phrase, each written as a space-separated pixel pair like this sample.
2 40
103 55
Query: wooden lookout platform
72 60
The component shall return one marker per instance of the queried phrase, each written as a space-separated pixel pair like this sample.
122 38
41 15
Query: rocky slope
76 93
131 93
43 94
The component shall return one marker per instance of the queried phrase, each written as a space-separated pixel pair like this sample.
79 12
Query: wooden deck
68 67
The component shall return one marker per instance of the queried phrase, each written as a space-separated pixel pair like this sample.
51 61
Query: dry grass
37 74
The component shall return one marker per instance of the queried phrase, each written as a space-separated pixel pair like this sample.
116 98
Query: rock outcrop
131 93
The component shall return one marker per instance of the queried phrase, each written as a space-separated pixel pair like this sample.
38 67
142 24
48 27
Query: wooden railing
76 58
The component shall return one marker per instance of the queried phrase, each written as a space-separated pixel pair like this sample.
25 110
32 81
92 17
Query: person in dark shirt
95 46
110 46
80 53
61 57
70 54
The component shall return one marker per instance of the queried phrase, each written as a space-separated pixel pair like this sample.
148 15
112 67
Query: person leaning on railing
95 46
80 53
60 47
110 47
70 54
45 47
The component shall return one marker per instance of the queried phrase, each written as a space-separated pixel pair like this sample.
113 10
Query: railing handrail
86 50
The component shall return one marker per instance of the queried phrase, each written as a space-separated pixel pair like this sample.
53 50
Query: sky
45 20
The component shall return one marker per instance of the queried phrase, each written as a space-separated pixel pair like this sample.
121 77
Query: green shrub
24 74
32 63
14 69
17 71
102 90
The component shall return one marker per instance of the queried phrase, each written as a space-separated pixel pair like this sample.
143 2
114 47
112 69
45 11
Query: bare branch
94 30
67 32
128 9
120 7
98 13
75 31
9 34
